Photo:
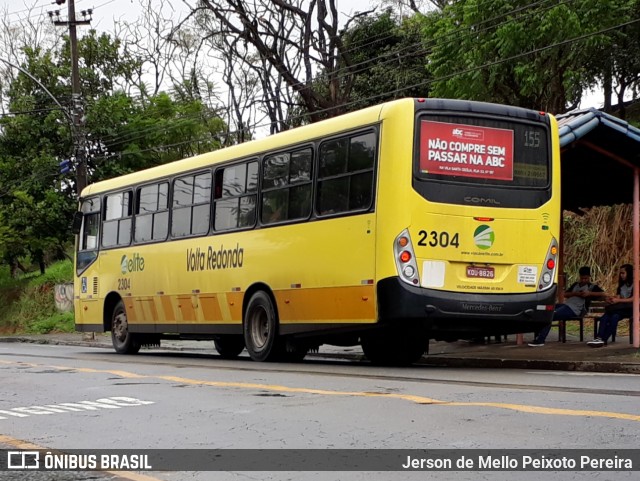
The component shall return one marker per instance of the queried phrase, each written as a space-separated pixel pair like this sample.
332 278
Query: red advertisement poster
466 150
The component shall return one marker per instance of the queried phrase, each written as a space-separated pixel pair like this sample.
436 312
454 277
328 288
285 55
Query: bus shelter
600 162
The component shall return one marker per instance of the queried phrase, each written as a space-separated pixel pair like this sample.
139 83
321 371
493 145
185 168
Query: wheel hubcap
120 326
259 328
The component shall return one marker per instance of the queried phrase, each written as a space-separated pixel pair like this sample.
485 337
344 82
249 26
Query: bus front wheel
261 328
123 341
229 347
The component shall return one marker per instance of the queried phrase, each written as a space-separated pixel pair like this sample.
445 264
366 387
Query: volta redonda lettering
214 258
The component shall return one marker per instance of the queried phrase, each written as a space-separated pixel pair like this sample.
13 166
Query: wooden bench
562 327
595 309
600 312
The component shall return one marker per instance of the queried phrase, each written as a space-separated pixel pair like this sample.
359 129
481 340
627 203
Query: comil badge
484 237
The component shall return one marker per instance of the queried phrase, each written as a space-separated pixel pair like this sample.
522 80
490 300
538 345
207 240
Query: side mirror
77 222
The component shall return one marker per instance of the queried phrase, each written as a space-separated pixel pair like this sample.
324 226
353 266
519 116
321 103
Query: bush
599 237
58 322
30 304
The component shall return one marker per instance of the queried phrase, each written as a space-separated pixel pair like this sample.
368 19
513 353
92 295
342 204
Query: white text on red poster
466 150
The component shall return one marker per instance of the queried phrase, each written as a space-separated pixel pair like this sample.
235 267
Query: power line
127 137
450 36
41 13
31 9
28 112
374 97
444 77
348 70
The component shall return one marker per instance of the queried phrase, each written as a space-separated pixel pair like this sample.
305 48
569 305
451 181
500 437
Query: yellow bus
412 220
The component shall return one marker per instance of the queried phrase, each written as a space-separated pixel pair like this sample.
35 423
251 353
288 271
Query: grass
28 305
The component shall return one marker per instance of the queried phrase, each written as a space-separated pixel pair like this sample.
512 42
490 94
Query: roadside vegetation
27 301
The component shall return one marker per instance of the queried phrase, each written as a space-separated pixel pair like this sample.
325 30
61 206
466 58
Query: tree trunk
607 88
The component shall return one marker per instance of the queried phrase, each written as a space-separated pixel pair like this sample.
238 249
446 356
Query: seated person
620 307
574 305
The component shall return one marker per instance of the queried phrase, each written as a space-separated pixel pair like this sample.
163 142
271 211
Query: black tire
293 352
229 347
396 348
260 328
123 341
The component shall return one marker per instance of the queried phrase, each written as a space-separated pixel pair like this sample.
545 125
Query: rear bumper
454 315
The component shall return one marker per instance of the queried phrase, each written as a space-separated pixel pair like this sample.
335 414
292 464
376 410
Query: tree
508 52
294 40
415 6
35 204
125 133
388 59
613 60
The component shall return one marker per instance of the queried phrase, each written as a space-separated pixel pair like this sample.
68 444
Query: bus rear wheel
293 351
123 341
261 328
229 347
395 348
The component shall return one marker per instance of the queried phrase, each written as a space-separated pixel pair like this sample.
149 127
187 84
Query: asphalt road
89 398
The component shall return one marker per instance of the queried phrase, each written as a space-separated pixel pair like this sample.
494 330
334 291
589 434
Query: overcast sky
105 11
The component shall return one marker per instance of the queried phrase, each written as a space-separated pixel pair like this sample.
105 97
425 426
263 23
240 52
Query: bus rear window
482 151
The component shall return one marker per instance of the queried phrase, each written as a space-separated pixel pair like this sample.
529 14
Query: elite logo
484 237
133 264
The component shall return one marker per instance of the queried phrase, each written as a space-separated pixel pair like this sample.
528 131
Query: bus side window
152 213
116 228
345 177
191 205
286 186
235 204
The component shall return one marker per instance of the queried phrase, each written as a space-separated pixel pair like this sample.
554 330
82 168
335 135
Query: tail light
405 259
548 274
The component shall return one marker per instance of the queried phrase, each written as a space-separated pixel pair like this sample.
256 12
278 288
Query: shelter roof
598 154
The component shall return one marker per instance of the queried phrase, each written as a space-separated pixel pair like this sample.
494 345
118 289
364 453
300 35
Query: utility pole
77 103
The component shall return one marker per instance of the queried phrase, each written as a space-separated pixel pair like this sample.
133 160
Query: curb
433 360
54 342
538 364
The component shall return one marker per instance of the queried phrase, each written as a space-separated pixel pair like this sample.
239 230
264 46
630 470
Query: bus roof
298 135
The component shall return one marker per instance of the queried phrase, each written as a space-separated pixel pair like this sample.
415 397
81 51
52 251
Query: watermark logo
484 237
23 460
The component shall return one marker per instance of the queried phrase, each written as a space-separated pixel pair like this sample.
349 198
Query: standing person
620 307
574 304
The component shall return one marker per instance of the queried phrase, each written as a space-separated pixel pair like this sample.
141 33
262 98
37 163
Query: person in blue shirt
574 305
620 307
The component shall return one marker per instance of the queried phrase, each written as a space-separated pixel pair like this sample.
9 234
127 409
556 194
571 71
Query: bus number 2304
434 239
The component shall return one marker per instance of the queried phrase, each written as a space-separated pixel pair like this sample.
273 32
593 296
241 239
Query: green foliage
29 303
386 59
125 133
160 130
387 56
58 273
58 322
516 52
